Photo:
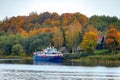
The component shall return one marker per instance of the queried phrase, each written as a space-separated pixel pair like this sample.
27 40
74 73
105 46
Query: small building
64 50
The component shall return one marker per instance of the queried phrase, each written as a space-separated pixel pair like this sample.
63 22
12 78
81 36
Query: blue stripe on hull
48 58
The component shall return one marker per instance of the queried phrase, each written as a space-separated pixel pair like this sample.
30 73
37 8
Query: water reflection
92 64
67 63
15 61
47 63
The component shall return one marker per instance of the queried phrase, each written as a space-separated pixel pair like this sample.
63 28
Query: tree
0 23
14 24
81 18
53 21
66 18
72 36
113 39
102 22
89 42
98 23
5 45
44 16
18 50
8 41
116 24
37 42
57 38
91 28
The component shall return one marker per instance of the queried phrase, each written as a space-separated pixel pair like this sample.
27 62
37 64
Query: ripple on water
46 72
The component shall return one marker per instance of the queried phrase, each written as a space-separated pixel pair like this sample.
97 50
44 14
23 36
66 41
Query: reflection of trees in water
69 63
93 63
16 61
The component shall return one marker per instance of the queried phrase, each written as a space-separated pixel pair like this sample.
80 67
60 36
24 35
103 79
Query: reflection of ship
46 63
48 55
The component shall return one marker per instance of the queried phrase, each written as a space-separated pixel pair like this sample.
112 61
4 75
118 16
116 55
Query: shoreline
113 60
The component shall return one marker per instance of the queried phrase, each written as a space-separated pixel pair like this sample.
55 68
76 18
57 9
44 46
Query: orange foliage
24 33
113 38
35 31
66 18
109 41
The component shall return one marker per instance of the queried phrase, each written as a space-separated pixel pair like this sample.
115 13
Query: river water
14 70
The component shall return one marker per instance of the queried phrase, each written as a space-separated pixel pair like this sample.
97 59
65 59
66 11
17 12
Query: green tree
18 50
8 41
98 23
37 42
5 45
116 24
102 22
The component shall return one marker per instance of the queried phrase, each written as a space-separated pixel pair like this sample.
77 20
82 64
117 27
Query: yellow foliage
57 37
72 35
89 41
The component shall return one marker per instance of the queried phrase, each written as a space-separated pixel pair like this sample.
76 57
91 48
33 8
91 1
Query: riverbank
111 60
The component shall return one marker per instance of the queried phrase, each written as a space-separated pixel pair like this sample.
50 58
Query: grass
101 52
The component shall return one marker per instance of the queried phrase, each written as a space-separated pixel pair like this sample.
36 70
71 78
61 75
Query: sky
10 8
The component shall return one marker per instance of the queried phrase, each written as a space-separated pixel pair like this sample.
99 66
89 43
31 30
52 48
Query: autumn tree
57 37
66 19
44 16
113 39
32 18
24 33
53 21
89 42
91 28
72 36
13 25
81 18
0 25
0 22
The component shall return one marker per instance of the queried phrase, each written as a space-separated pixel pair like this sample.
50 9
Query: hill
26 34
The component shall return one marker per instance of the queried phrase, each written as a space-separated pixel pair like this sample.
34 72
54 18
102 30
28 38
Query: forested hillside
22 35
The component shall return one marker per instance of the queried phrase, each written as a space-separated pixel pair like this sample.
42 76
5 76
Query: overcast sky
11 8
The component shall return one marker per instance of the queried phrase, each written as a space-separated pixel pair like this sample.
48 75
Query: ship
48 55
